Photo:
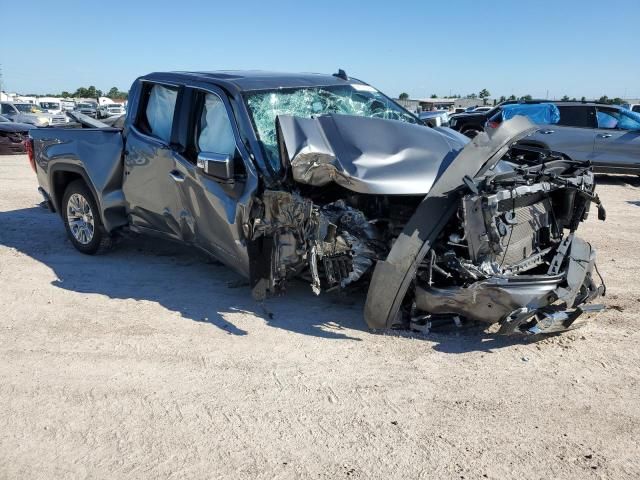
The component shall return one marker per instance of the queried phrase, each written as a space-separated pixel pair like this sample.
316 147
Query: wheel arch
60 176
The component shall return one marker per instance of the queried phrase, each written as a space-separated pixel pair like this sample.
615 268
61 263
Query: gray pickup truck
324 178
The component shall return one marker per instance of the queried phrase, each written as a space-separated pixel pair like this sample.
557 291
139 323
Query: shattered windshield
359 100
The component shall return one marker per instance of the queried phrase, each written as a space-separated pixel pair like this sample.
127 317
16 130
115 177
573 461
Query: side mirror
216 165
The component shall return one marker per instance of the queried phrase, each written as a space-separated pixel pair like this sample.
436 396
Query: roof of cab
246 80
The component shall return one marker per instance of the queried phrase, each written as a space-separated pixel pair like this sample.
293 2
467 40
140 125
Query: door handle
547 132
605 135
176 175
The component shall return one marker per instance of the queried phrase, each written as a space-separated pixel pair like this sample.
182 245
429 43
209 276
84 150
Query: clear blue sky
573 47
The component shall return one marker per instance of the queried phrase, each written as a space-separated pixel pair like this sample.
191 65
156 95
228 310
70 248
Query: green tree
604 99
472 96
115 93
617 101
583 99
511 97
65 94
565 98
484 95
502 99
90 92
526 97
433 95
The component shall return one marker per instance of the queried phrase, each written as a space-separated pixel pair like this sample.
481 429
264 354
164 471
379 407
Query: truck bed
62 155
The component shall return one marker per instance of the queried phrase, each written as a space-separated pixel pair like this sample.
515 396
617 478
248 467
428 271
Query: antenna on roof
341 74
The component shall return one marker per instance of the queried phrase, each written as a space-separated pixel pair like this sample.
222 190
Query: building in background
429 104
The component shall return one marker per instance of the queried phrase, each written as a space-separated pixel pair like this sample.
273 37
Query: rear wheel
82 220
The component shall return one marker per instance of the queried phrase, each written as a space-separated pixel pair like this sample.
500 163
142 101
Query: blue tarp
539 113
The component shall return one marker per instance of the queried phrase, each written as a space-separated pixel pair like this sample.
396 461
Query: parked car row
31 114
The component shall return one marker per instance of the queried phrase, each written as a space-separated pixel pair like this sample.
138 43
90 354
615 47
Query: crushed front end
510 254
490 239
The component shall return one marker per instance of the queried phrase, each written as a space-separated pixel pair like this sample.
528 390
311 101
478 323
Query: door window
156 117
214 132
608 119
6 109
576 116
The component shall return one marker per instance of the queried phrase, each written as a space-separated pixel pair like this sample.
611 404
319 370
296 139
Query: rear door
617 141
149 185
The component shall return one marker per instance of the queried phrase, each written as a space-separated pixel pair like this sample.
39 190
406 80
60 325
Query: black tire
99 241
471 132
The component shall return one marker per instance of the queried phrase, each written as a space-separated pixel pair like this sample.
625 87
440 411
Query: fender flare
70 168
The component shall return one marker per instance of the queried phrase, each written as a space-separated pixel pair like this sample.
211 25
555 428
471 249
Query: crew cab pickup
323 177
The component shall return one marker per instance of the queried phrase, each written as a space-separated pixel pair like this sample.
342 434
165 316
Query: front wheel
82 220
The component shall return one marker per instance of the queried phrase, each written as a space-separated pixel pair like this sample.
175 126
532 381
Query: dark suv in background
472 123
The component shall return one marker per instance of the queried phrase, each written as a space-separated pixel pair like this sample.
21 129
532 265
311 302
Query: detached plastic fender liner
392 277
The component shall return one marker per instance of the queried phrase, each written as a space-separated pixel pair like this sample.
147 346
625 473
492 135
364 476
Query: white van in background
50 105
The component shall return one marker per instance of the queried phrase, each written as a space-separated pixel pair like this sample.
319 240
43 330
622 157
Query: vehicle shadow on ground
475 337
178 277
183 280
606 179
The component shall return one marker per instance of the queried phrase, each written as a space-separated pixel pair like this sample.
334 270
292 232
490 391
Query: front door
617 147
215 208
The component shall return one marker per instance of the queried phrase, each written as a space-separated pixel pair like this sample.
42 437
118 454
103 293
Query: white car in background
68 104
110 110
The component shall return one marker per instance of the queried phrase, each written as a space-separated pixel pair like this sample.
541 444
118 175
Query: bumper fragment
532 304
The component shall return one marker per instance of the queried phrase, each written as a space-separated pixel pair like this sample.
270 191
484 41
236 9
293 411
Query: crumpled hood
365 155
374 156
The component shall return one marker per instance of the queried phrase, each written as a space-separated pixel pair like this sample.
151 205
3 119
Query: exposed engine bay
497 245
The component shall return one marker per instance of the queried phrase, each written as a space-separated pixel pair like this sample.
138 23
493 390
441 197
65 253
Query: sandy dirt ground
152 362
